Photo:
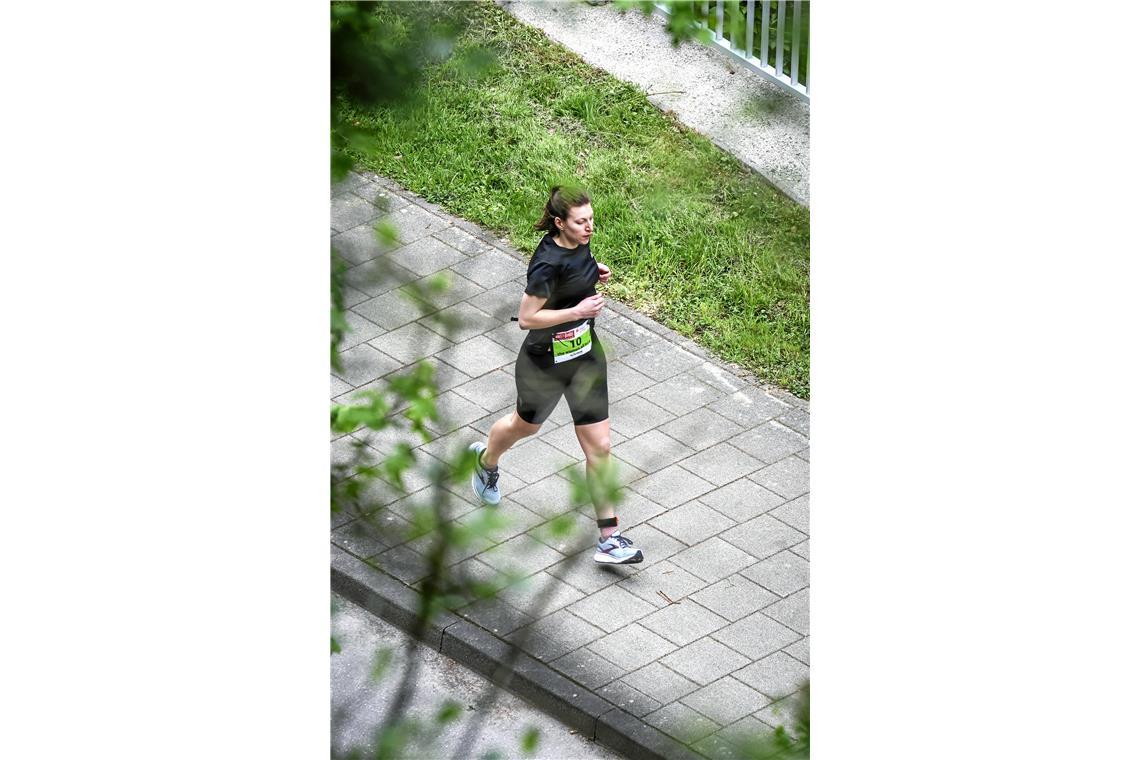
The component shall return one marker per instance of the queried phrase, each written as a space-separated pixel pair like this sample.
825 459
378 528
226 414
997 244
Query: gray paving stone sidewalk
708 639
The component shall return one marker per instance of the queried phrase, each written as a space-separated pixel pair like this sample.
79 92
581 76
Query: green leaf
449 322
562 525
393 742
371 411
398 461
421 409
483 589
341 164
438 282
335 645
530 739
451 602
423 521
601 486
418 383
482 524
476 62
450 711
381 663
386 233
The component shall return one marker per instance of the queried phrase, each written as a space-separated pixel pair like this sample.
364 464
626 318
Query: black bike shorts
541 383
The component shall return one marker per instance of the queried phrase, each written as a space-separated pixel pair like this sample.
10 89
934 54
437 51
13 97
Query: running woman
561 356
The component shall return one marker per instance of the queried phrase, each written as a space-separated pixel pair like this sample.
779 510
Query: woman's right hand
588 307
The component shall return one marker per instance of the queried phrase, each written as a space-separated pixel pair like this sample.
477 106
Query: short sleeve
540 277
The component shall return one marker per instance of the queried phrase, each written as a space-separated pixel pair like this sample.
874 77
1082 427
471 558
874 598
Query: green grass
694 237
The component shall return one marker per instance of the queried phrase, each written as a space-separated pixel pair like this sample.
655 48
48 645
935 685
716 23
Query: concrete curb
482 651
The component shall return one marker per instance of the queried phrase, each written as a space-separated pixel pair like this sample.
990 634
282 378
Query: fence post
765 32
760 62
748 33
780 37
795 42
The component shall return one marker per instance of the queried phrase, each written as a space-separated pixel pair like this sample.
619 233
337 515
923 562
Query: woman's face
578 225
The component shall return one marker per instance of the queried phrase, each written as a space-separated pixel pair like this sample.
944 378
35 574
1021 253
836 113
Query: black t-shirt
562 276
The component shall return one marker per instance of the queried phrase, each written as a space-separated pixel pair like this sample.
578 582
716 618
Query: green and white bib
570 344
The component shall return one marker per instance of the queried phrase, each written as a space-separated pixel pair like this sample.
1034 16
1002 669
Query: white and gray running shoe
484 482
617 550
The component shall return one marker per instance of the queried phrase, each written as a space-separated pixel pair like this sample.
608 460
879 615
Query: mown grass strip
695 238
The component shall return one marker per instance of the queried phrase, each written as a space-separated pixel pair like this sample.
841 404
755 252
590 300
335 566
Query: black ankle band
609 522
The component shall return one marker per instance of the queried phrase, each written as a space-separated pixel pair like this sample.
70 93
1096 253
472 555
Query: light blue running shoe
617 550
485 483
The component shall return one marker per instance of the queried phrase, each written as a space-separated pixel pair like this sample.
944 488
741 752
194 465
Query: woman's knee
597 448
522 427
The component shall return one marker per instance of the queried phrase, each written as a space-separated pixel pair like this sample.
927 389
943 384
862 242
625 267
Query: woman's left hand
603 273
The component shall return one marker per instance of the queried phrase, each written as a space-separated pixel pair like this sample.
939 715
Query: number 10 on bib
570 344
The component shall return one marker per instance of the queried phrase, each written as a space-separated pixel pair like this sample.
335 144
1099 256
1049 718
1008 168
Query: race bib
570 344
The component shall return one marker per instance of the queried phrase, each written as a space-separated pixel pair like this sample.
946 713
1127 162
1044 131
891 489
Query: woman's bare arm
533 317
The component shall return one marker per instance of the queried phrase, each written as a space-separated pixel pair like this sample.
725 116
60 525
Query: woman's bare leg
595 442
506 433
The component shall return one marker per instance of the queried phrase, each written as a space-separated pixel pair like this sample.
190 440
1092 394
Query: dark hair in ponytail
561 200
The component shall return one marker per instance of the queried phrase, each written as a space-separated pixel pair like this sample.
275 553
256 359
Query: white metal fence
775 36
